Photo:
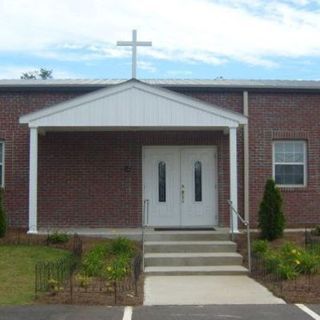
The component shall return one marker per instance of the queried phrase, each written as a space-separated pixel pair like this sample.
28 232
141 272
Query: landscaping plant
58 238
288 261
271 218
111 260
3 218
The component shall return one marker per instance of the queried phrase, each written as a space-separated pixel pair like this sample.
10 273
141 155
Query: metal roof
183 83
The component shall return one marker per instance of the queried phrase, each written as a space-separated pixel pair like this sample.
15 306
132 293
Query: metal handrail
247 224
145 214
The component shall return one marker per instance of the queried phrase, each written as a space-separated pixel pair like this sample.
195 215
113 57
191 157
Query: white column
33 180
233 175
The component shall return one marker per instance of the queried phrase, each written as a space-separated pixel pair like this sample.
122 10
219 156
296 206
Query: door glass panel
198 181
162 181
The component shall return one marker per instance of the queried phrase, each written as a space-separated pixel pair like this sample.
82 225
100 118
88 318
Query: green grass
17 264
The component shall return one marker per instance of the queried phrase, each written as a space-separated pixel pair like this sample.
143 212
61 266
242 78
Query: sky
192 39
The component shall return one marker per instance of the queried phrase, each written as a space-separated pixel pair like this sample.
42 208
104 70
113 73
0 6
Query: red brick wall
16 137
83 181
78 171
285 116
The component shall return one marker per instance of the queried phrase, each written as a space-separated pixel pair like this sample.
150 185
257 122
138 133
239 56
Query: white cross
134 44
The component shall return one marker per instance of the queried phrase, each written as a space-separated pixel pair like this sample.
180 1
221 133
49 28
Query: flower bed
108 273
290 271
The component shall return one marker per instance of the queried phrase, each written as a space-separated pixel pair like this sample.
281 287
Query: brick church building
169 153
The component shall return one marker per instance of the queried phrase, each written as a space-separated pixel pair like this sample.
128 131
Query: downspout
246 156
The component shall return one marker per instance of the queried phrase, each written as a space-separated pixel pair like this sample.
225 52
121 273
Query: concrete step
196 270
189 246
192 259
186 235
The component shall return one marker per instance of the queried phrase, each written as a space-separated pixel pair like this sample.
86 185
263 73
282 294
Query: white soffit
133 104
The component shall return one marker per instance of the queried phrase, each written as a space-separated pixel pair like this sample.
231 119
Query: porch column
33 180
233 175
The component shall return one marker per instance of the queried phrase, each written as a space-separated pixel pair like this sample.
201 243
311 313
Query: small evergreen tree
271 218
3 220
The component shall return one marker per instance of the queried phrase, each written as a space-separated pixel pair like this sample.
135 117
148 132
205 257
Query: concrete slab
204 290
220 312
60 312
109 233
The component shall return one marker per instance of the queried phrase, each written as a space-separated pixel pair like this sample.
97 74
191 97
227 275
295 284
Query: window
1 163
197 181
289 163
162 181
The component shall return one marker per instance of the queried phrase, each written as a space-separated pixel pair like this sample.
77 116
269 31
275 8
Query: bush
286 271
271 218
118 268
94 261
260 247
308 263
3 218
58 238
288 261
122 246
316 230
110 259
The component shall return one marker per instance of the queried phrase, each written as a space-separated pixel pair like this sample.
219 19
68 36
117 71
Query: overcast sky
233 39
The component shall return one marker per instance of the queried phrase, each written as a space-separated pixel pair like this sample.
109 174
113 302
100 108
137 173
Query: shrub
122 246
118 268
286 271
316 230
83 280
272 259
3 218
271 218
308 263
290 252
94 261
57 238
111 259
260 247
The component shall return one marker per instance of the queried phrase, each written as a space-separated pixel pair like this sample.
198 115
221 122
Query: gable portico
132 107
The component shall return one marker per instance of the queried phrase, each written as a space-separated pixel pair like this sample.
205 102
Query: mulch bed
301 290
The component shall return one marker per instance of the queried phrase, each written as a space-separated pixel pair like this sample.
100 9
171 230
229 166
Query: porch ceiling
133 105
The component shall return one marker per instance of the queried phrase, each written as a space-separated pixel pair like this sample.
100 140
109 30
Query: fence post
71 286
115 292
36 281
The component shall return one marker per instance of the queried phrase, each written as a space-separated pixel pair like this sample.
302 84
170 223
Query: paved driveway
221 312
213 312
60 312
314 307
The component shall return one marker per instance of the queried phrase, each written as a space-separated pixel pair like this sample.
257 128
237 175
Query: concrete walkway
203 290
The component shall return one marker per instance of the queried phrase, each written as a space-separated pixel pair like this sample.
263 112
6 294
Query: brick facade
82 176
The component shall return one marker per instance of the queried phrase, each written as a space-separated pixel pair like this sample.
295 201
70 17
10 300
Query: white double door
180 186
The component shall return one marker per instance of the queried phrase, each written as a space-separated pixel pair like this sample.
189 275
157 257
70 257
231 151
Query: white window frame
304 163
2 164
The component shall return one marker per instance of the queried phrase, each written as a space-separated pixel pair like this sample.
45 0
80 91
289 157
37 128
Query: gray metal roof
183 83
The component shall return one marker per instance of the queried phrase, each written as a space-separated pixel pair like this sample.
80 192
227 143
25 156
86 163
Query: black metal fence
61 281
278 284
292 287
312 241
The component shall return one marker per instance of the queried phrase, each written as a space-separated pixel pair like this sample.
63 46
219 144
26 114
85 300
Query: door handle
182 193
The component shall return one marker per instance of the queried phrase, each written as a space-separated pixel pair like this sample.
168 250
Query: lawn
17 264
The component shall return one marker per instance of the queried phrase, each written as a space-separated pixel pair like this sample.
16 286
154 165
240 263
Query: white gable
133 104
